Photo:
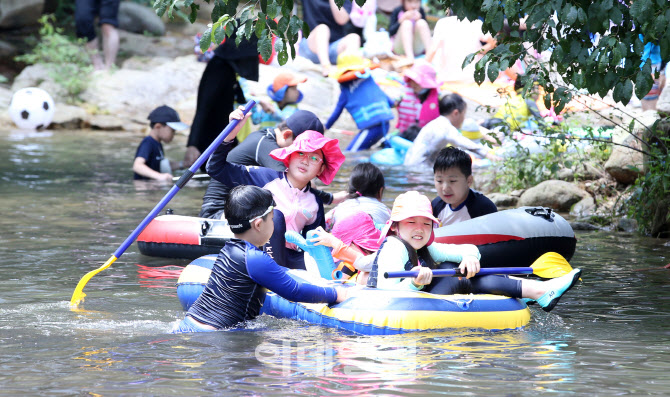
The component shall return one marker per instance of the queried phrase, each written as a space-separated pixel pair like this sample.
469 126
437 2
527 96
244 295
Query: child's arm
341 251
341 101
140 167
466 254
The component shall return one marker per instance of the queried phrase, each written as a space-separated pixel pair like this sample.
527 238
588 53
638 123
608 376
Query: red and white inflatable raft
515 237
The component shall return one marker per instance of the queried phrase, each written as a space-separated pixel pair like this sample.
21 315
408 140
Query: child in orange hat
406 244
285 98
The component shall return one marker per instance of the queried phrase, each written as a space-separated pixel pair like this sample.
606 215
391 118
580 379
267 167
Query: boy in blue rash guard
455 201
236 288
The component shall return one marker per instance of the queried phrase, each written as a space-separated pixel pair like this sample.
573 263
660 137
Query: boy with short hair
285 96
150 161
456 201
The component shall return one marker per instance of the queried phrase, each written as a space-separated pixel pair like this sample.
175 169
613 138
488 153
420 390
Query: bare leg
350 42
422 29
96 58
110 44
406 33
318 42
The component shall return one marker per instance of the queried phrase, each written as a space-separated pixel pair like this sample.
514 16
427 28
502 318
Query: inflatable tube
375 311
515 237
175 236
510 237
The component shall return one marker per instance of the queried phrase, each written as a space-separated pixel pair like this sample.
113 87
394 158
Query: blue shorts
368 137
304 51
85 12
187 325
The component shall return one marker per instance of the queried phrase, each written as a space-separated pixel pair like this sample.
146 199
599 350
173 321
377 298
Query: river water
68 202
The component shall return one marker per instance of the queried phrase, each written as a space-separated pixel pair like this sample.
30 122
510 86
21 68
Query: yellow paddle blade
551 265
78 294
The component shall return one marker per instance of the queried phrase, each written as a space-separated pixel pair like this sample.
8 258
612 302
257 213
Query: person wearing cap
407 244
150 161
285 96
255 151
368 105
298 208
242 273
443 131
419 103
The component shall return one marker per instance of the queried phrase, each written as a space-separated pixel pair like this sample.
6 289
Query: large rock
17 13
135 44
559 195
625 164
137 18
132 94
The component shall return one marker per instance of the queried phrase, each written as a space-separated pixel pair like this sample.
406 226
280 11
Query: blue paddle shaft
457 272
181 182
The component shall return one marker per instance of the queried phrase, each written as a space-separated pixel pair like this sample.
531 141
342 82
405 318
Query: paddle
549 265
196 176
79 294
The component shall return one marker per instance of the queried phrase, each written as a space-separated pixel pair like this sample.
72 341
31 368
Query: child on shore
285 96
442 131
232 294
368 105
456 201
409 28
298 209
419 103
366 187
150 161
407 246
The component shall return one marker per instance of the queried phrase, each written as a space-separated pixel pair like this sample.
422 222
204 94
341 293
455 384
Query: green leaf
643 81
272 9
265 46
193 15
572 15
264 6
468 60
492 71
260 25
206 40
219 34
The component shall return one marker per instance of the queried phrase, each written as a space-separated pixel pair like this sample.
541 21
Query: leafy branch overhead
263 18
595 45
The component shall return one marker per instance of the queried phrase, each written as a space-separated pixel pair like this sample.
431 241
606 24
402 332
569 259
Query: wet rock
17 13
503 200
584 207
589 172
105 122
39 76
558 195
565 174
169 46
625 164
626 225
137 18
581 225
5 97
7 50
68 117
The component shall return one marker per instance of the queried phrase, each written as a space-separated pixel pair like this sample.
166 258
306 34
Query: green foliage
595 44
650 202
65 58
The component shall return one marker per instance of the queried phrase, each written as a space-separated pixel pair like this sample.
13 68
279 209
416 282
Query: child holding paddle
232 294
298 208
407 244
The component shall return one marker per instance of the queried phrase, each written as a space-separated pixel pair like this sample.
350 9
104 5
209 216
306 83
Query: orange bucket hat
407 205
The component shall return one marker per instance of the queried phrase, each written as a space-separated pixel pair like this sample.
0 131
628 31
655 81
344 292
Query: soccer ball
31 108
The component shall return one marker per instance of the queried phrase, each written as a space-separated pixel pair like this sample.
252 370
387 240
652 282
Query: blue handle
456 272
321 254
181 182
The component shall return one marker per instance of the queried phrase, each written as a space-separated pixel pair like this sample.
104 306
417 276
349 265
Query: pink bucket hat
423 74
311 141
358 228
407 205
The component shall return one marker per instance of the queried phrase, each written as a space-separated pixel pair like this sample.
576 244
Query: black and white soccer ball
31 108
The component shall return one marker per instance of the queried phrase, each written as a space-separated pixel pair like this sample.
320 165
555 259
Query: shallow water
68 203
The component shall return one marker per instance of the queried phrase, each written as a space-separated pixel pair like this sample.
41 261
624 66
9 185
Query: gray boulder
503 200
625 164
584 207
18 13
137 18
558 195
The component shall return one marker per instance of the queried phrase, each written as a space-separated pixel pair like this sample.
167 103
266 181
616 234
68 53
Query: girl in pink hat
352 238
407 245
298 209
419 104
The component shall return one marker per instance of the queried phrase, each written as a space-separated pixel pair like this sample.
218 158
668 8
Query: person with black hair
366 187
442 131
236 288
456 201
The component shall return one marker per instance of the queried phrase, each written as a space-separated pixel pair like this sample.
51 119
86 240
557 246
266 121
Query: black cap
168 116
303 120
